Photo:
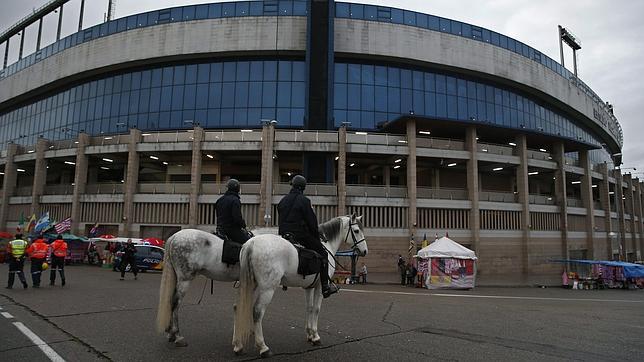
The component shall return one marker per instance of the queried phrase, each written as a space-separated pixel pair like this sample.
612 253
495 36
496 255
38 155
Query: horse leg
238 347
315 313
173 330
264 297
309 314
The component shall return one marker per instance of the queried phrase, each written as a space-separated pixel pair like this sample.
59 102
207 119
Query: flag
32 223
93 231
63 226
21 223
412 245
43 223
425 242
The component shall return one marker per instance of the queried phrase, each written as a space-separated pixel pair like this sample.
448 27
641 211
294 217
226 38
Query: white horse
268 261
187 253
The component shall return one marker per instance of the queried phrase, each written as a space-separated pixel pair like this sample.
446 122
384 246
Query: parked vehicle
148 257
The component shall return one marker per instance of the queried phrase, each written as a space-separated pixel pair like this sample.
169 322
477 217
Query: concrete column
523 190
619 195
8 184
342 170
80 180
411 174
40 176
630 243
638 212
195 176
39 34
587 200
60 23
604 197
473 186
266 184
560 195
131 181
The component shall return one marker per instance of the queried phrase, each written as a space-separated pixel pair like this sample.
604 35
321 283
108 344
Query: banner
63 226
451 273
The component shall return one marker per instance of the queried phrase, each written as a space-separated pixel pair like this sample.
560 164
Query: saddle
309 261
231 249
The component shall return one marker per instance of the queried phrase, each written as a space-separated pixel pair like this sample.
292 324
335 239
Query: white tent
446 248
448 264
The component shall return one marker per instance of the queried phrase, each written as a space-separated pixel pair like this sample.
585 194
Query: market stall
447 264
600 274
76 246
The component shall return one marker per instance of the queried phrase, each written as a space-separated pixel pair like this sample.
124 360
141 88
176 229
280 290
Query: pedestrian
363 273
129 258
108 252
37 251
16 255
411 274
401 269
59 252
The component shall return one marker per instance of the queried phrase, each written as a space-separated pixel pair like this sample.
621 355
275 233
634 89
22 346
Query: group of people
407 272
18 250
297 220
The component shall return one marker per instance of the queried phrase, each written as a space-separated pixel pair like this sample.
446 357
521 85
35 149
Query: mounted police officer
296 217
230 221
16 254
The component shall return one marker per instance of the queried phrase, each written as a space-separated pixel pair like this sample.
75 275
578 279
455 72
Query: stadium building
423 125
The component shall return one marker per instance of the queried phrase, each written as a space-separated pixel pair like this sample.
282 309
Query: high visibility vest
37 250
18 247
60 248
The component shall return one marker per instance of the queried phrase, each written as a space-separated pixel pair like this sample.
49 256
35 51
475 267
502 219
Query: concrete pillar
473 186
40 176
604 198
266 184
630 243
523 190
560 195
342 170
80 181
8 184
587 200
411 174
619 195
638 212
131 181
60 23
195 176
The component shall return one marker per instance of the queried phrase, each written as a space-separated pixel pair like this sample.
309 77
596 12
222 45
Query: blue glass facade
215 95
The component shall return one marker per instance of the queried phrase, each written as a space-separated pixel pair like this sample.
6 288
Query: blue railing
298 8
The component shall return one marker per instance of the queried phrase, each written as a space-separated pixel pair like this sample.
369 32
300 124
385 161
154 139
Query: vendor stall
599 274
447 264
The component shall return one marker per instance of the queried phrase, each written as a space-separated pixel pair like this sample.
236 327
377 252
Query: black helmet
233 185
299 182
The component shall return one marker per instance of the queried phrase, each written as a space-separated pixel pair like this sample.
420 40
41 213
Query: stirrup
331 288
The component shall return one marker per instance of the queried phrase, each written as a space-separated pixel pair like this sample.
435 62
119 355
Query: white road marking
49 352
7 315
494 296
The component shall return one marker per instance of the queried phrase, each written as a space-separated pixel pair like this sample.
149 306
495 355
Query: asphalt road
98 317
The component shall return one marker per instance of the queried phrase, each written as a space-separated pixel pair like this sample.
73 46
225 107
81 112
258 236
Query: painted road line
49 352
495 296
7 315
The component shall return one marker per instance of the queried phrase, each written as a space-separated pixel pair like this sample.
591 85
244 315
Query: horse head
357 239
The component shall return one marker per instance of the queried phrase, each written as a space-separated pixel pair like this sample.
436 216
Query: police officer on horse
230 222
296 217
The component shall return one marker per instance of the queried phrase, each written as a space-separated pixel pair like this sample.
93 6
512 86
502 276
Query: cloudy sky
611 60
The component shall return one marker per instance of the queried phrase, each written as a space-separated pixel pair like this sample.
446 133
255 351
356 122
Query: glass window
380 77
241 94
455 27
228 9
405 78
433 22
203 73
444 25
409 17
284 70
214 11
342 10
242 72
430 82
299 8
179 74
340 72
214 95
353 101
189 96
256 8
418 102
367 74
229 71
216 70
166 99
255 94
357 11
353 73
298 92
228 95
370 12
256 70
168 73
397 16
270 70
417 80
201 12
121 25
268 93
298 71
144 101
191 74
177 97
451 85
441 86
241 9
441 105
393 76
393 100
380 101
201 96
156 77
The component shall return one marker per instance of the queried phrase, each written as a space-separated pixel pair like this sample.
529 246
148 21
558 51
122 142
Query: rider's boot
328 287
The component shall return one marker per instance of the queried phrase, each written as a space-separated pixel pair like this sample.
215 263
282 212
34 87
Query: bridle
346 237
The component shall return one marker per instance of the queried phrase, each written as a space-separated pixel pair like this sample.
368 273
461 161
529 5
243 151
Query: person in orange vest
37 251
59 251
16 254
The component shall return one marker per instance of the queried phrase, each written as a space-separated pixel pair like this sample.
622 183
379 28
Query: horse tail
167 290
245 305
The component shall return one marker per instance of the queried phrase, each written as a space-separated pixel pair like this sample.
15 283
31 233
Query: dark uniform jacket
296 216
129 251
229 216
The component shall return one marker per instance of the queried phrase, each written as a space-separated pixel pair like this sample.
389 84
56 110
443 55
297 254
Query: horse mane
331 228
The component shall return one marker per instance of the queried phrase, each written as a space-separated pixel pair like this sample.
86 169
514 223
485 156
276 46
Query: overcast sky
611 60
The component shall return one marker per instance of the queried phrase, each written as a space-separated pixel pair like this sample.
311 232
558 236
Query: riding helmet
299 182
233 185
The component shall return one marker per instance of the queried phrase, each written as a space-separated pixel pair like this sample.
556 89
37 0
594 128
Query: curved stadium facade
422 124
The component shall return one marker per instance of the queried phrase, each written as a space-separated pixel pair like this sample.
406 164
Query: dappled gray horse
187 253
268 261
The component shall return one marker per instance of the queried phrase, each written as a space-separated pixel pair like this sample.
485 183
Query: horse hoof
316 343
171 339
239 353
180 343
266 354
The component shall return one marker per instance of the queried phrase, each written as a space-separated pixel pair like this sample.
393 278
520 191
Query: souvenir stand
600 274
446 264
